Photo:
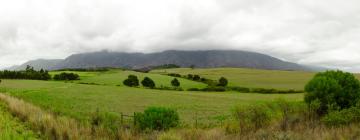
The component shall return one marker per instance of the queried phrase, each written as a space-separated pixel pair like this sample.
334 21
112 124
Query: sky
312 32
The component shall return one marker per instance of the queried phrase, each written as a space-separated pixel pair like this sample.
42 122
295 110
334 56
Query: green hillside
252 78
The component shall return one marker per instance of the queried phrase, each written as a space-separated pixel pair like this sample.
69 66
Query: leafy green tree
223 82
131 81
196 78
190 76
334 90
66 76
147 82
175 82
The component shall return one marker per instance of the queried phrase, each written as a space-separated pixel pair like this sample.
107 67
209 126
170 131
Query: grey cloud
322 32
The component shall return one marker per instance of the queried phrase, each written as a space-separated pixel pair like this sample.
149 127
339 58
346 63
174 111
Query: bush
147 82
216 89
190 76
174 75
66 76
223 82
334 90
342 117
157 118
196 78
131 81
240 89
253 117
175 82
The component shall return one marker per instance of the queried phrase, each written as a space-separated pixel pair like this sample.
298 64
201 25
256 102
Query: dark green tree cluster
334 90
29 73
66 76
147 82
223 82
131 81
175 82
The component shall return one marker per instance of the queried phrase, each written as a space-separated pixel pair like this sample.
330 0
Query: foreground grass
54 126
80 101
12 128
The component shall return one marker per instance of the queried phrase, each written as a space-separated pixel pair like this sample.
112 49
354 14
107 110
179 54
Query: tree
175 82
131 81
192 66
223 82
196 78
147 82
334 90
64 76
190 76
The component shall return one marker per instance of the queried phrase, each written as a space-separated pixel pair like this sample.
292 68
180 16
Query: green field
116 77
80 101
251 78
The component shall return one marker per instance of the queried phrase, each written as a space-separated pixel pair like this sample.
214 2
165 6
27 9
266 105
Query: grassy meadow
104 92
251 78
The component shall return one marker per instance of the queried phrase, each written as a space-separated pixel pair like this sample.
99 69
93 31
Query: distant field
80 101
250 77
116 77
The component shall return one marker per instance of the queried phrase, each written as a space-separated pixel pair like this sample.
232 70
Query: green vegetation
11 128
66 76
80 101
157 118
29 73
115 77
336 90
99 107
175 82
223 82
250 78
131 81
147 82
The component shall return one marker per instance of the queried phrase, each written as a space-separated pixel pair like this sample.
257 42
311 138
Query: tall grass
56 127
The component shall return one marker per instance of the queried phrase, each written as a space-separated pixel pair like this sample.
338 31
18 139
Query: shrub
175 82
223 82
147 82
157 118
66 76
216 89
190 76
131 81
335 89
342 117
196 78
253 117
174 75
240 89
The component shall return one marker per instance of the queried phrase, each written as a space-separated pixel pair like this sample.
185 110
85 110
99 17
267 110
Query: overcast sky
315 32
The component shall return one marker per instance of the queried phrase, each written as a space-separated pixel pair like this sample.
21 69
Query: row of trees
133 81
66 76
28 73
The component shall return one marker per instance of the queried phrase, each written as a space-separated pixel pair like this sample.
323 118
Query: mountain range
199 59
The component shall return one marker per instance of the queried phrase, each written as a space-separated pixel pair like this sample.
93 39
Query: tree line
28 73
31 74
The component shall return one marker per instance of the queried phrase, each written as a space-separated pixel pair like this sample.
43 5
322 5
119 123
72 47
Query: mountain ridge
200 59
